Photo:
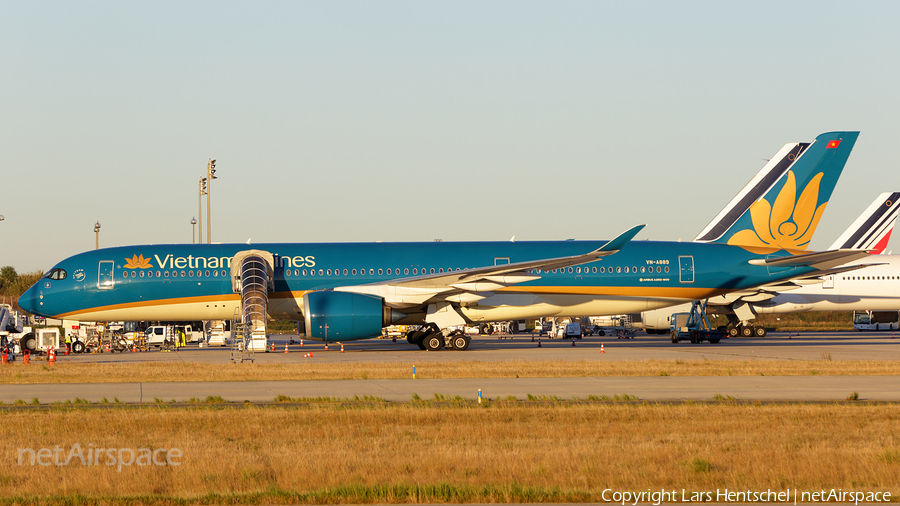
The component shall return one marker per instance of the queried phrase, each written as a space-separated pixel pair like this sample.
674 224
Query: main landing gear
433 339
747 331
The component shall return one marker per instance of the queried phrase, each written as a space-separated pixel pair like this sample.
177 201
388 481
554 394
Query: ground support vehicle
694 326
875 320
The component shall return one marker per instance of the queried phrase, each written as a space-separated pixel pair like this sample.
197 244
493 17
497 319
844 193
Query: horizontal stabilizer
822 260
816 277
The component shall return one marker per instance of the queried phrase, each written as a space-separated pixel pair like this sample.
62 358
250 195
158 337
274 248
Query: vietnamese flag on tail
833 144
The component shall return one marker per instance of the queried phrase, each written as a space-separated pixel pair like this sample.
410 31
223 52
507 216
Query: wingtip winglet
622 239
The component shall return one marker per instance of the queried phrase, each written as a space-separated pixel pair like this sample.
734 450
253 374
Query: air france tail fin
781 207
762 182
872 230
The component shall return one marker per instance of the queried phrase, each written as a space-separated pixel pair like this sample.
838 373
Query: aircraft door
829 282
686 269
105 277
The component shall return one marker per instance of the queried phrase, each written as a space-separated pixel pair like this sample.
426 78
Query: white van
156 335
573 331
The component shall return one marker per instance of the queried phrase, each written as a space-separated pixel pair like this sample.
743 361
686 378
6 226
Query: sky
414 121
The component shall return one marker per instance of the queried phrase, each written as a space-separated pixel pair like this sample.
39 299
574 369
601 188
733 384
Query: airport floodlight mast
210 174
200 209
193 230
97 235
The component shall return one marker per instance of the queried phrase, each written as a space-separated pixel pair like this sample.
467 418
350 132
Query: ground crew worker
182 339
68 342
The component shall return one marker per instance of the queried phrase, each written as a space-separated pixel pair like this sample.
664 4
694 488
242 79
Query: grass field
422 452
156 371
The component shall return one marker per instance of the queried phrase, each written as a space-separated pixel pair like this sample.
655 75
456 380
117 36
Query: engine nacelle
348 315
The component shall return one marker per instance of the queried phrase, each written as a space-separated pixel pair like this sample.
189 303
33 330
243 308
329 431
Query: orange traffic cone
532 338
539 343
52 354
789 334
601 348
133 347
573 341
285 348
342 347
310 355
326 346
67 351
301 343
27 357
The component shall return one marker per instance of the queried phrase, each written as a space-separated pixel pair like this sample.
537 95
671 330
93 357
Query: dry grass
521 452
157 371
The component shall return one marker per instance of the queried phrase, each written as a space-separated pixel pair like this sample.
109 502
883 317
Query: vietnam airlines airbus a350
350 291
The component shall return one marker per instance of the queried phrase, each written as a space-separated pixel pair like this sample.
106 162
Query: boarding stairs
252 276
216 333
241 350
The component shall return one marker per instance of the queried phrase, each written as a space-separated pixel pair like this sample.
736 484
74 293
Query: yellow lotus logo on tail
138 262
788 224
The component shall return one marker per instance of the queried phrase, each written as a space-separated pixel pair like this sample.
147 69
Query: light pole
200 208
97 235
210 174
193 228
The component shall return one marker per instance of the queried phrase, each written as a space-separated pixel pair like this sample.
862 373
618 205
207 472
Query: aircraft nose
29 301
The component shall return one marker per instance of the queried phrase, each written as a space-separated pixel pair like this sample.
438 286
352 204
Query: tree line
13 284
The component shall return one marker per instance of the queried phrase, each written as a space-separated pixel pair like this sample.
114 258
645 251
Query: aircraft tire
414 336
674 337
601 333
746 331
433 342
460 342
78 347
759 331
734 332
28 343
421 344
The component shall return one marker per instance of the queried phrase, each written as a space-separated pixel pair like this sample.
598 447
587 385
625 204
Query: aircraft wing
465 286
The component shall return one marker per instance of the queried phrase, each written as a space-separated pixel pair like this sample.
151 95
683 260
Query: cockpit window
56 274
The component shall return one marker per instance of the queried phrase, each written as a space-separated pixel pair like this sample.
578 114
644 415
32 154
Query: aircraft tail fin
872 230
771 173
784 214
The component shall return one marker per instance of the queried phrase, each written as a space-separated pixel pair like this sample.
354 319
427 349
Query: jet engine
344 316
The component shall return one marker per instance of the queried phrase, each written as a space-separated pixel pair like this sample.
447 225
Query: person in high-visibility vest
69 342
182 340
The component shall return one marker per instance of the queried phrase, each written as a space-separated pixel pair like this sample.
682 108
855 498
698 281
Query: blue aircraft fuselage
193 282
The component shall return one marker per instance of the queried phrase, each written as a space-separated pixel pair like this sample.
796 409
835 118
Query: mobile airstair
252 276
